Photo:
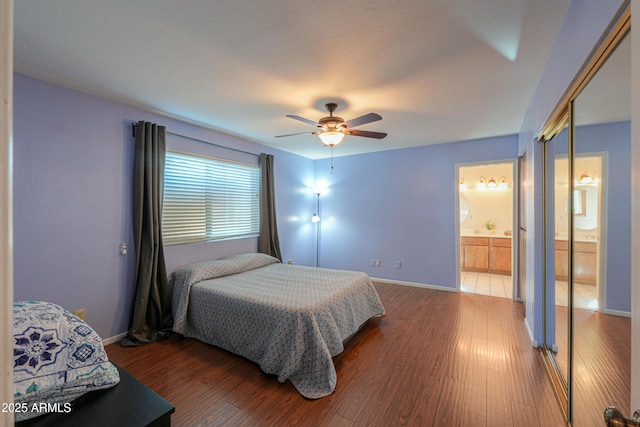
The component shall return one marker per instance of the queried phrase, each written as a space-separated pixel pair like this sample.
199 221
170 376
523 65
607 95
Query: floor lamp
316 219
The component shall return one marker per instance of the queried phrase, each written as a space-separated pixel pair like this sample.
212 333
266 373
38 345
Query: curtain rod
134 125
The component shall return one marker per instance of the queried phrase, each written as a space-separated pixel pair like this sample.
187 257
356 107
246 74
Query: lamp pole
318 230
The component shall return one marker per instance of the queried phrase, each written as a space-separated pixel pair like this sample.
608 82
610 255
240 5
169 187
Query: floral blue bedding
57 358
289 319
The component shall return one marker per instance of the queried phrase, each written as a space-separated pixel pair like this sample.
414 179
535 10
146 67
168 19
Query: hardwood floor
436 359
602 362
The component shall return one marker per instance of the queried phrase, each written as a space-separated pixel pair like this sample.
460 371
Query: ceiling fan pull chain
332 160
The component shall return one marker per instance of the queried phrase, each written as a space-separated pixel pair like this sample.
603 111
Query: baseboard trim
414 284
113 339
616 313
534 343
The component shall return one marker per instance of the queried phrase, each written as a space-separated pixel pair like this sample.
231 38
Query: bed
57 358
291 320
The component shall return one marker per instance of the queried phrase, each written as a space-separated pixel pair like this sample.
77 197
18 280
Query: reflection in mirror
601 358
579 203
557 317
586 197
585 207
591 368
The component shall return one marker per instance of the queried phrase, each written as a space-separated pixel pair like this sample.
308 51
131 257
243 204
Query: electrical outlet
377 263
81 313
398 264
289 261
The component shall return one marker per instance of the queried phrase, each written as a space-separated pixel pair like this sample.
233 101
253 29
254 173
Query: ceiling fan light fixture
331 137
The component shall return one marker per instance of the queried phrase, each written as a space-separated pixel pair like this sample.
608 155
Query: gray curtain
268 242
151 311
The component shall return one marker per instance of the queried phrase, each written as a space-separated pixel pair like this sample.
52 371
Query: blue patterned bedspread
57 357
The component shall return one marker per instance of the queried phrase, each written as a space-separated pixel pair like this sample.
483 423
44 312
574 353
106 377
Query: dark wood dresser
130 403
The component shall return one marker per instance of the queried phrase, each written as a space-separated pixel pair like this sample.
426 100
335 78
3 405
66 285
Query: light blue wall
615 140
72 201
583 25
399 205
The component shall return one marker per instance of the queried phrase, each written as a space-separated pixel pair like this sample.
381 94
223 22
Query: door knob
614 418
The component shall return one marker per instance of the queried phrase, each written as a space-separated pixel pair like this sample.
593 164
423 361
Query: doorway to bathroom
486 218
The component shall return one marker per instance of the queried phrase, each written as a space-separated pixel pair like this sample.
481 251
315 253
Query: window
209 199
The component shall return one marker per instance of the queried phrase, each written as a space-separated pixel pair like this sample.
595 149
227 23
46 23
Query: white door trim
635 207
6 208
514 222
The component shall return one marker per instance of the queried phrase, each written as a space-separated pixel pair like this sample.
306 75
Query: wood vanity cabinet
584 261
500 256
475 254
486 254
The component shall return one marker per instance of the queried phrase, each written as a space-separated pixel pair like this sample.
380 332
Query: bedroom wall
72 183
582 27
399 205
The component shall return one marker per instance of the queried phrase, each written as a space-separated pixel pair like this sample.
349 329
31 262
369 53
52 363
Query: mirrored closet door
587 175
601 196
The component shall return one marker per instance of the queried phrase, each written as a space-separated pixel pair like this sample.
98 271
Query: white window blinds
209 199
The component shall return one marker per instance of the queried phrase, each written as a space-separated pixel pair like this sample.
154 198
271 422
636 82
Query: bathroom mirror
579 202
585 207
464 208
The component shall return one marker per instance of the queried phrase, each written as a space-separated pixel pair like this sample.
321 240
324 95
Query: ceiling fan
332 129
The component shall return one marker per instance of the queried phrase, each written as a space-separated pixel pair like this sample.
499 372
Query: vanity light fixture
492 183
502 183
463 186
482 184
586 179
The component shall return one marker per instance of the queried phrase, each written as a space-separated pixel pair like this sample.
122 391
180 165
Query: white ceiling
436 70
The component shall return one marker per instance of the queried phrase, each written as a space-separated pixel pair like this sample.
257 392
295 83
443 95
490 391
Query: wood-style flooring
436 359
601 362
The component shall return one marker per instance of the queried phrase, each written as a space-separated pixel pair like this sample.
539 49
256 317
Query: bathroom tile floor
584 296
498 285
495 285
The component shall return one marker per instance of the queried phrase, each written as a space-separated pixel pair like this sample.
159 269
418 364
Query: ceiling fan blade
299 133
366 133
302 119
362 120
